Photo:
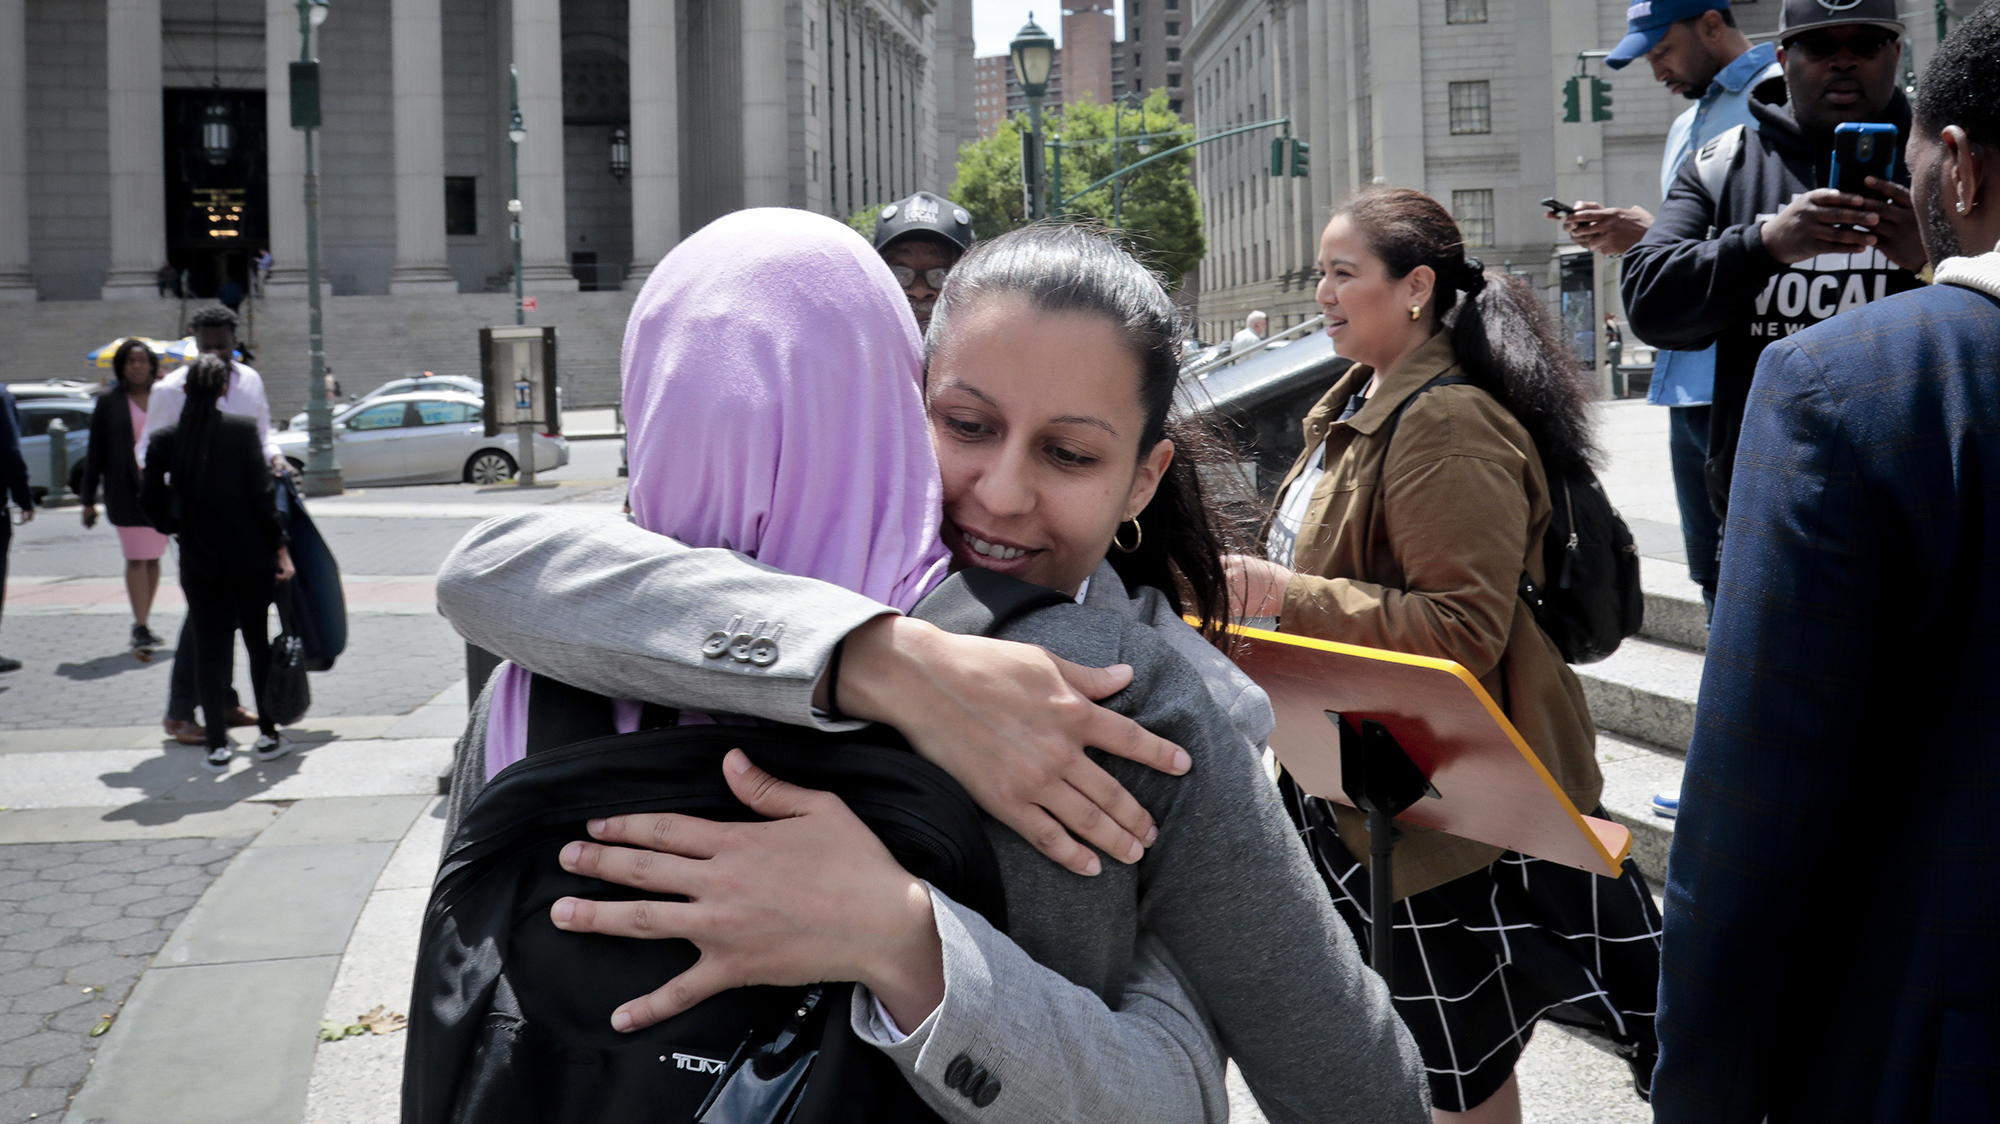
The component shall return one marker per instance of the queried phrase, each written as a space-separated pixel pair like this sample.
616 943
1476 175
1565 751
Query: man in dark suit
1833 897
13 485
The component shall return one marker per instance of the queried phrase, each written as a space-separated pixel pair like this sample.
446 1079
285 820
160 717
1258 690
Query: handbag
287 695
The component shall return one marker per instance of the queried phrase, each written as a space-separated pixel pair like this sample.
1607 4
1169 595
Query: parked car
36 414
53 388
423 438
1261 398
406 385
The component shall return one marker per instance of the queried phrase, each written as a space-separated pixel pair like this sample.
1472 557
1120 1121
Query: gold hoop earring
1140 536
1416 312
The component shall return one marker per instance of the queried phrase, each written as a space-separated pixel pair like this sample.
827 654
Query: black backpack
509 1021
1592 601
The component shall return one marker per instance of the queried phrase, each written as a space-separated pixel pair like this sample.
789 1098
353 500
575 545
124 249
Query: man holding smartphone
1752 244
1695 51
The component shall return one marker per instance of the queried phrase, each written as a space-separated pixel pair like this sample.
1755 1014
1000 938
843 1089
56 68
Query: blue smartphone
1861 150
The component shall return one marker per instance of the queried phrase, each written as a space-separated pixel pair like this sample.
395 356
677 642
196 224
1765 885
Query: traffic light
1572 101
1301 158
1277 156
1600 100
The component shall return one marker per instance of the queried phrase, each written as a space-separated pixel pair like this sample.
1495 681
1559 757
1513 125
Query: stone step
1674 609
1633 774
1645 692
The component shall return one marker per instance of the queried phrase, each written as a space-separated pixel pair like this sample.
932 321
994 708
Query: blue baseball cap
1646 23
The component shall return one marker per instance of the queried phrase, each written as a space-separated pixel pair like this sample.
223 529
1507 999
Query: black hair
1957 87
214 316
1506 339
124 353
1072 267
207 378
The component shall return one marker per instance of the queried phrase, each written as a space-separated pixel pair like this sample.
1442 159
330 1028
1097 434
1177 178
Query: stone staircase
1642 700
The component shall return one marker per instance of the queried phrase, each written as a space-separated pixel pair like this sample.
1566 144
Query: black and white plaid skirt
1479 960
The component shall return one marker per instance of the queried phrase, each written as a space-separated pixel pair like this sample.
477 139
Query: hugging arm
607 606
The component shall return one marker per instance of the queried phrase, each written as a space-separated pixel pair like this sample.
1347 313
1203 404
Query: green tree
1160 213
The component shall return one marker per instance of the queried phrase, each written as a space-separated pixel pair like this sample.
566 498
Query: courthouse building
140 132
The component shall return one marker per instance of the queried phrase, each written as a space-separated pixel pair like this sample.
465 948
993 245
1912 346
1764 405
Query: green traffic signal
1301 158
1572 102
1600 100
1277 156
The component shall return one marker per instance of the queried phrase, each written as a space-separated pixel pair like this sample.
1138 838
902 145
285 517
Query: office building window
1173 28
1173 5
1174 81
1137 58
1173 54
1471 107
1174 105
1465 11
461 204
1474 212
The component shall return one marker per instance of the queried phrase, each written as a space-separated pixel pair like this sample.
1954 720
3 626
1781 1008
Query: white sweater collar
1981 273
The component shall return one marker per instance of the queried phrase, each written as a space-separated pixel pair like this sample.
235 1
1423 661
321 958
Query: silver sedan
424 438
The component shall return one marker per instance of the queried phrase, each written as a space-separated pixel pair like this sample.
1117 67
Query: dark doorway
218 213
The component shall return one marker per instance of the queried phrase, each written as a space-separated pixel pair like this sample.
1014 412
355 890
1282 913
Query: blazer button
717 644
988 1093
975 1083
764 651
739 646
956 1073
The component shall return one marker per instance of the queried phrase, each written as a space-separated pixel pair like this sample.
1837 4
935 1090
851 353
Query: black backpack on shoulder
1592 601
510 1019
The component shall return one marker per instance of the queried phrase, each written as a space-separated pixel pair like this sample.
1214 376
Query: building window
1136 56
1173 54
1174 80
461 204
1465 11
1173 28
1174 105
1474 212
1173 5
1471 107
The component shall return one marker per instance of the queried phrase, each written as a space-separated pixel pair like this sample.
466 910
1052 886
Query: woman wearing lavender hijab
803 446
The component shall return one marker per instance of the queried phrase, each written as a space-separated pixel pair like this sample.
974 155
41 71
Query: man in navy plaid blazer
1832 946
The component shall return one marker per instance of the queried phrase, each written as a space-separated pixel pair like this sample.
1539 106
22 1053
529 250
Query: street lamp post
322 472
1034 55
517 132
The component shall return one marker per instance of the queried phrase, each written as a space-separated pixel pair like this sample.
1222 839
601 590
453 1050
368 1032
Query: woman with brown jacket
1407 525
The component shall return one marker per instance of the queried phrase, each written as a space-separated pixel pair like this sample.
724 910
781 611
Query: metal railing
1296 331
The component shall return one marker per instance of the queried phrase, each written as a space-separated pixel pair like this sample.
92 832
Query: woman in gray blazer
1112 995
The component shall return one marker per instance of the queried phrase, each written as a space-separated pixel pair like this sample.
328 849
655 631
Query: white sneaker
218 758
270 747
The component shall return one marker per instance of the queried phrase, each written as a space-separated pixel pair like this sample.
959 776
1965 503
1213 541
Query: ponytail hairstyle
1506 339
129 349
1074 268
207 378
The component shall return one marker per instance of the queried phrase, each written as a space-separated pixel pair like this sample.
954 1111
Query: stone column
416 38
766 90
1396 72
16 282
654 52
137 161
544 223
284 154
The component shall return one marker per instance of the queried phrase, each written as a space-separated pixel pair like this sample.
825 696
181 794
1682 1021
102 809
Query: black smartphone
1561 208
1861 150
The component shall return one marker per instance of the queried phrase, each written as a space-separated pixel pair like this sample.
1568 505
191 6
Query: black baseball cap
924 213
1800 16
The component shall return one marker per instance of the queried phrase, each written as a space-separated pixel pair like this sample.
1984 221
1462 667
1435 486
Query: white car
422 438
36 414
406 385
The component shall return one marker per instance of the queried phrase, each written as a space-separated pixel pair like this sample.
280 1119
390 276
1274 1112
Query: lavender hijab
773 407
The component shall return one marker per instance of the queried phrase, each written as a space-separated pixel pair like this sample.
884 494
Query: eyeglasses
1820 46
905 276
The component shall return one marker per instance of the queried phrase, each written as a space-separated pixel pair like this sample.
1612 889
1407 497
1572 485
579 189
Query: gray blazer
1102 1004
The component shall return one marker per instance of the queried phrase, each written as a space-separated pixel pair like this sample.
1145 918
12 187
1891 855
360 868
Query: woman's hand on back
1256 585
1010 722
808 897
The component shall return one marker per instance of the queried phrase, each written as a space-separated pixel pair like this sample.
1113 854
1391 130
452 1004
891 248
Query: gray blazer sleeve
1151 1059
602 604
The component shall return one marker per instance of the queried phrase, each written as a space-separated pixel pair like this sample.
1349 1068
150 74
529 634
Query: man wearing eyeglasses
1751 245
921 238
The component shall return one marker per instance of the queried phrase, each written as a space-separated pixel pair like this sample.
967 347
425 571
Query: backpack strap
1714 160
1396 419
560 715
975 602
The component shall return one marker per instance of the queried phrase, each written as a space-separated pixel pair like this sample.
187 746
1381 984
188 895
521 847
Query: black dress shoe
7 664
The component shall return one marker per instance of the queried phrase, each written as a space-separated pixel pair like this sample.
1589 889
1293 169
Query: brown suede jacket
1417 545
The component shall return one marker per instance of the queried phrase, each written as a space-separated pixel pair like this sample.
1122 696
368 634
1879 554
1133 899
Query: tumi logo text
697 1064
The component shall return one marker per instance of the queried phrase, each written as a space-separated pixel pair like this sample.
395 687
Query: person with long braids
207 484
117 426
1407 524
